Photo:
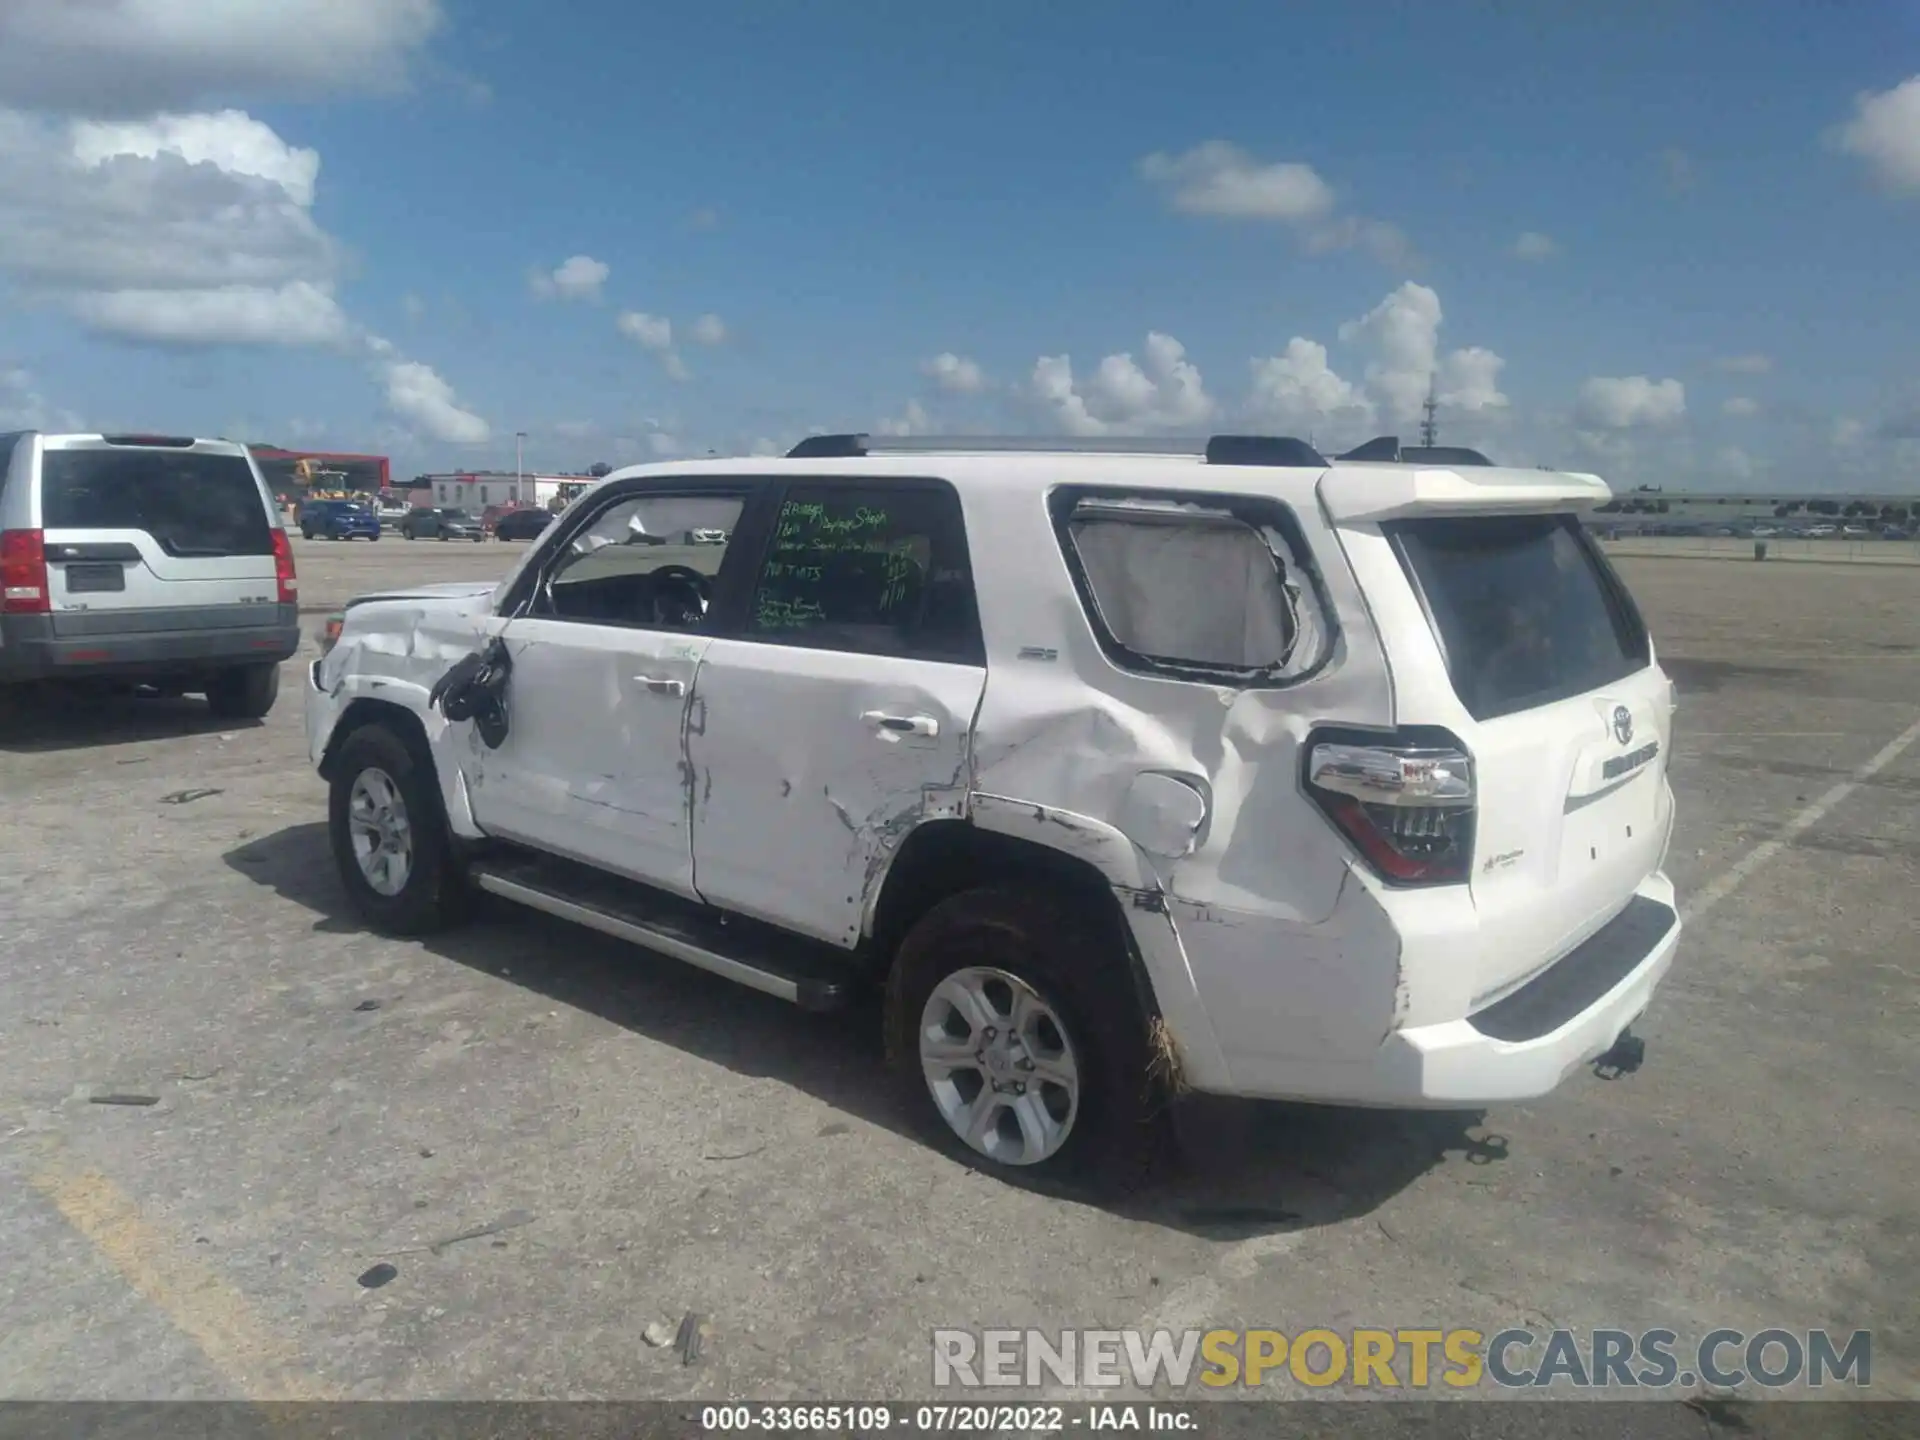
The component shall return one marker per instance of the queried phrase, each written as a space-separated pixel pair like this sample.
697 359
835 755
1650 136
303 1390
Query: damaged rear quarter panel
1270 920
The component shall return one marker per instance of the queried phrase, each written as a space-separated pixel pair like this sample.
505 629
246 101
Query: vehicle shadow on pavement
48 721
1242 1168
1709 677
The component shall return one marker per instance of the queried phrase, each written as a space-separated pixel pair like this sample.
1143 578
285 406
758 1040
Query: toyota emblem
1622 724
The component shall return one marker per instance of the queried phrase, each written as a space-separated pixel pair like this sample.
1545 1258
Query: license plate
93 579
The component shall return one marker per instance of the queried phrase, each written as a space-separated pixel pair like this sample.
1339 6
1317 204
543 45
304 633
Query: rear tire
246 692
1048 975
383 805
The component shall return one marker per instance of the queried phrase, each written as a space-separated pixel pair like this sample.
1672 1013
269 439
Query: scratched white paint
780 782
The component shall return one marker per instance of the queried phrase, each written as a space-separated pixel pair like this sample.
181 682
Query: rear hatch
153 526
1566 718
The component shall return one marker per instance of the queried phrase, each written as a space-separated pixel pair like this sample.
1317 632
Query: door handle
903 724
662 687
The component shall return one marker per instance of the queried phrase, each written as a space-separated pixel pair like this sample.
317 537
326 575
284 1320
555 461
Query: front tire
246 692
389 836
1015 1038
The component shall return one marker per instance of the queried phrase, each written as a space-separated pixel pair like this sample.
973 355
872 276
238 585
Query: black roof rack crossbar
1386 450
1216 450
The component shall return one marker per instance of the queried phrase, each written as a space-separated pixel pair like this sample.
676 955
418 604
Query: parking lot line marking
1192 1302
197 1302
1730 879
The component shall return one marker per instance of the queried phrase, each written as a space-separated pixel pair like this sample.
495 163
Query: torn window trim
1266 516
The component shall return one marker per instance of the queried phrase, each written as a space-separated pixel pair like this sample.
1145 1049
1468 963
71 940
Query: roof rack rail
1387 450
1263 450
1216 450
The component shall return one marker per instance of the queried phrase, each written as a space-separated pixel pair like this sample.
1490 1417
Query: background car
151 560
338 520
525 523
442 522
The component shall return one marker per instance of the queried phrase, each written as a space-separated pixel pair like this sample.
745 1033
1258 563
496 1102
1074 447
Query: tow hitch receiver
1623 1057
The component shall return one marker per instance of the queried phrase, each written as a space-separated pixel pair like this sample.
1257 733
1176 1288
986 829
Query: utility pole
519 438
1429 425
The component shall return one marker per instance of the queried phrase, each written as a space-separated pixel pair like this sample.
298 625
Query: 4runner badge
1622 724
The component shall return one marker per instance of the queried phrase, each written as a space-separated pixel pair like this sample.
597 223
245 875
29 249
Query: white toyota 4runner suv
1121 767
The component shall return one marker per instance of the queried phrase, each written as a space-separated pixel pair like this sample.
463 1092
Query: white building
481 489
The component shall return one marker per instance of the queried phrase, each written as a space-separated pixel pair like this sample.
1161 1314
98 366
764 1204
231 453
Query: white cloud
650 332
23 407
1884 133
1403 332
231 315
230 140
763 447
1296 390
1166 393
1745 364
185 202
1222 181
912 421
577 278
954 373
299 314
1734 463
1848 432
708 330
414 306
1534 246
137 57
418 396
1740 407
1630 402
654 333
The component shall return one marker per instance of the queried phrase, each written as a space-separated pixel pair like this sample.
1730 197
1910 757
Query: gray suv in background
144 559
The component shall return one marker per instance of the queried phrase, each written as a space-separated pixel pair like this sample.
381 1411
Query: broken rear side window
1217 589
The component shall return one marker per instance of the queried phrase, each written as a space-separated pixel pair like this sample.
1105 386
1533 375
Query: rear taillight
23 573
1407 804
283 568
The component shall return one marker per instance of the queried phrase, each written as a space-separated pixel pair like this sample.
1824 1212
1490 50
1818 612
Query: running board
743 951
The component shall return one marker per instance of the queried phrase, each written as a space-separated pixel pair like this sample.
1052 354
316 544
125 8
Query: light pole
519 437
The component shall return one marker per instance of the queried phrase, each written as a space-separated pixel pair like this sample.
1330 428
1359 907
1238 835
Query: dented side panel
1252 891
594 766
808 770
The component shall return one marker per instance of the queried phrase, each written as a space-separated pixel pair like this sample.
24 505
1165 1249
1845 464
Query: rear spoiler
1359 492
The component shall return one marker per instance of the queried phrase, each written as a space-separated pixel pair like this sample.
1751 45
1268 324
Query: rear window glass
1525 608
190 504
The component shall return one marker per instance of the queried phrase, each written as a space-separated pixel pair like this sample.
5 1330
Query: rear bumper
146 644
1520 1047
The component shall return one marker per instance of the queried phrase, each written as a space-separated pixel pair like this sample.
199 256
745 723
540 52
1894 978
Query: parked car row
1758 530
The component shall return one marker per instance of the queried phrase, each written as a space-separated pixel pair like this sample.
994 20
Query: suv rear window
192 505
1526 609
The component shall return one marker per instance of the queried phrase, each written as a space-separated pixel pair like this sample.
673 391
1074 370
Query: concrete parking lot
641 1141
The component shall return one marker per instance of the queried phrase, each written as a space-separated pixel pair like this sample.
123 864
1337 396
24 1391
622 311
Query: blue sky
347 223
